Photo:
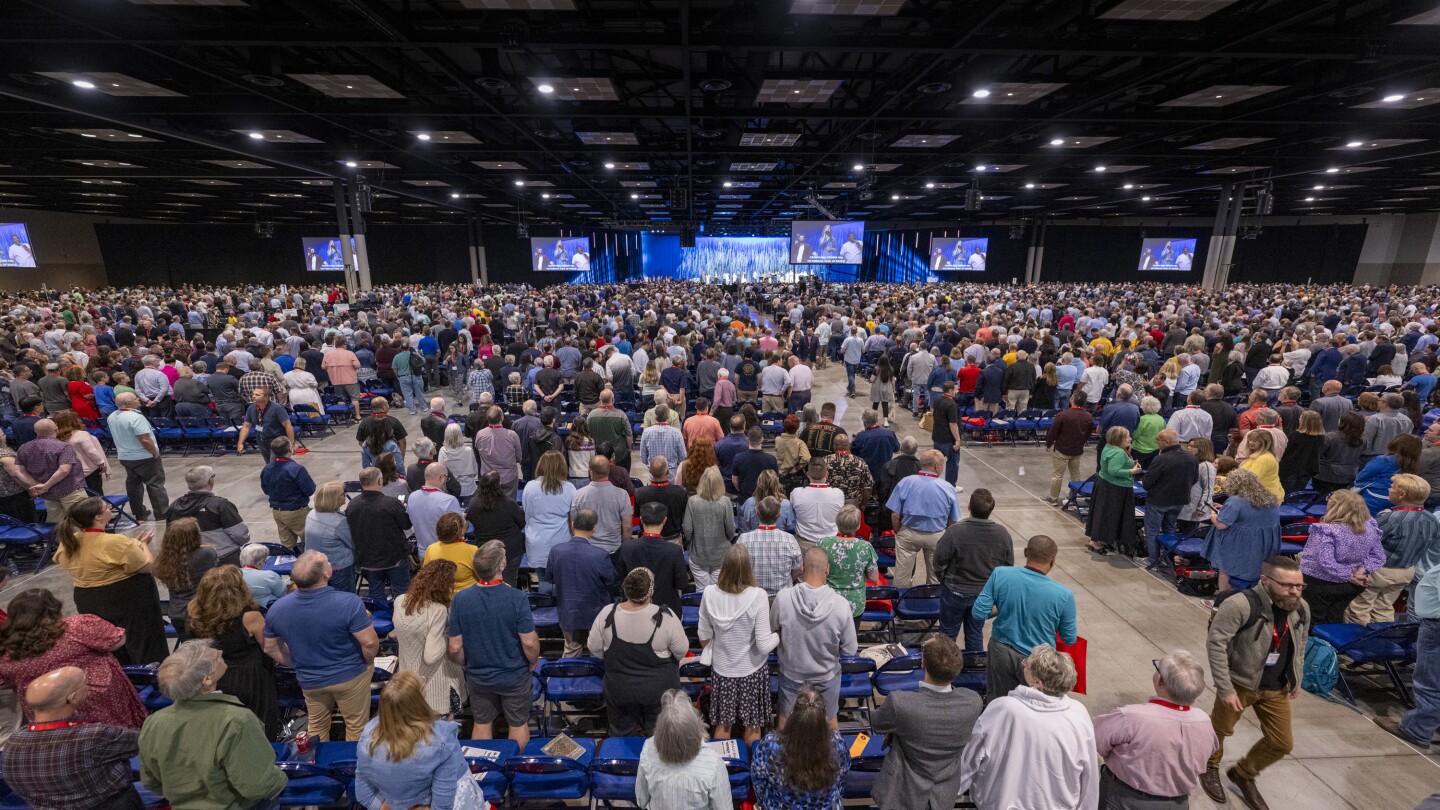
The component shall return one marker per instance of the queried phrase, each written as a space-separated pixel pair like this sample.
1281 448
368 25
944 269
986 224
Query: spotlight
84 85
1309 199
259 136
980 168
1029 185
1390 99
1128 186
1057 141
455 195
609 165
634 196
981 93
351 164
519 182
729 184
546 89
424 136
545 196
1354 145
929 185
858 167
1099 168
1144 199
1319 188
894 196
1332 170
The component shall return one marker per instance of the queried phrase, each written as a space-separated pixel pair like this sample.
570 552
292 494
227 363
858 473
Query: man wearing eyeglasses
1257 652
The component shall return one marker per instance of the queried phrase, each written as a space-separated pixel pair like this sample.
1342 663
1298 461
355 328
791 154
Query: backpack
1254 615
1322 667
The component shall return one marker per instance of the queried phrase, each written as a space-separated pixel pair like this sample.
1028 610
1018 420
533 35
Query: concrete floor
1341 758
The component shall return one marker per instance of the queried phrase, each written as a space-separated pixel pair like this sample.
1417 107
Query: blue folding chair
918 604
142 677
544 611
855 685
900 674
578 682
37 537
879 615
612 774
310 785
693 677
859 782
1293 537
536 776
690 609
1382 648
488 768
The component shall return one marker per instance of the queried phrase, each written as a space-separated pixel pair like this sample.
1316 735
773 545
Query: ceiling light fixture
545 196
858 167
455 195
1128 186
84 85
1057 141
894 196
929 185
1144 199
424 136
88 135
546 89
981 93
1332 170
1029 185
259 136
634 196
519 182
980 167
1099 168
1354 144
1319 188
1309 199
133 135
351 164
609 165
1393 97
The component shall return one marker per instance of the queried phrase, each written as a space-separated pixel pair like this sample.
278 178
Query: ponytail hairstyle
76 521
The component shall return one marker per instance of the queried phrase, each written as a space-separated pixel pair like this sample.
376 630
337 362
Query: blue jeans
954 614
396 580
343 579
850 369
1158 520
1062 398
917 393
412 388
952 461
1421 722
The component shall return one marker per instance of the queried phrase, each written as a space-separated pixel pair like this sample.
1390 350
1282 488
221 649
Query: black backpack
1254 615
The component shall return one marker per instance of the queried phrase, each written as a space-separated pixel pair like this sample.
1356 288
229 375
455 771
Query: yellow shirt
460 553
1267 469
1103 345
103 559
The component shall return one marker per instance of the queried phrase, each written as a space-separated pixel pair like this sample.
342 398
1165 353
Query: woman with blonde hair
459 458
1111 522
422 620
327 531
224 612
1144 446
1245 531
1343 550
766 486
735 632
1260 446
649 381
406 756
709 526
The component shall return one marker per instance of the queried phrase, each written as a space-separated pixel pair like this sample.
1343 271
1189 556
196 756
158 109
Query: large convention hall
720 404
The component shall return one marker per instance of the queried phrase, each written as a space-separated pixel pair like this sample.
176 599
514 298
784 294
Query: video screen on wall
15 250
963 253
1167 254
324 254
827 242
560 254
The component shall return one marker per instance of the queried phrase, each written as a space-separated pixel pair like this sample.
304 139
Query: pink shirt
340 365
768 343
724 394
1155 748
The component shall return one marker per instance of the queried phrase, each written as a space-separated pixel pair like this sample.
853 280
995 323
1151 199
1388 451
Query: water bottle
304 748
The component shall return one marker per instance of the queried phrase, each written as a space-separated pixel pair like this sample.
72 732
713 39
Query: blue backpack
1322 667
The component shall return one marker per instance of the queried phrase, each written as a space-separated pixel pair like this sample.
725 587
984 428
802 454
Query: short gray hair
198 477
1150 405
1053 670
679 731
423 447
847 520
1183 676
489 560
253 554
181 676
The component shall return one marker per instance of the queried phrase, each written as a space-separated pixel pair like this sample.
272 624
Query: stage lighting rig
814 200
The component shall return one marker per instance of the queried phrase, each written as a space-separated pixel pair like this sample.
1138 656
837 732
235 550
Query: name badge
1272 659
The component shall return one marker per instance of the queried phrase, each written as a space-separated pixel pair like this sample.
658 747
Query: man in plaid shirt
258 379
58 762
480 382
774 554
662 439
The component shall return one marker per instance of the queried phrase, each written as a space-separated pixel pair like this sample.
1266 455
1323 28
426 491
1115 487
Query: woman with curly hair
181 564
422 619
698 458
1245 531
224 612
36 639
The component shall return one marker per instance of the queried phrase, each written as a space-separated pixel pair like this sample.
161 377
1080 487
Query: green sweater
208 753
1115 466
1150 426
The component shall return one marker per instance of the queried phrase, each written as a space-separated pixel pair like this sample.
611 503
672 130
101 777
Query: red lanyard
1167 704
1409 509
51 726
842 452
766 528
429 489
489 584
648 534
819 486
1279 635
927 474
659 483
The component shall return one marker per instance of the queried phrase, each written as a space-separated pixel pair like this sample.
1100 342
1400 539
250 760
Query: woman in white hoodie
1034 749
735 630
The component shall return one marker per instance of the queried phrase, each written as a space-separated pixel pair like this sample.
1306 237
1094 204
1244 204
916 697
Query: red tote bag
1077 652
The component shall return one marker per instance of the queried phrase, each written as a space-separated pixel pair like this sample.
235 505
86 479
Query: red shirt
967 376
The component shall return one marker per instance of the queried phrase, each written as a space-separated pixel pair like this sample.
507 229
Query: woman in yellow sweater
450 545
1261 461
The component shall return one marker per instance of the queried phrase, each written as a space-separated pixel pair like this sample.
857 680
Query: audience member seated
407 757
1033 746
327 637
422 623
62 760
677 770
265 586
803 763
206 750
224 613
928 730
642 644
492 635
1341 553
1410 538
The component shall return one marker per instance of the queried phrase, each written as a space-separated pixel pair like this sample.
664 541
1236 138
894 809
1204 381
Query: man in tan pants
922 506
1065 440
326 635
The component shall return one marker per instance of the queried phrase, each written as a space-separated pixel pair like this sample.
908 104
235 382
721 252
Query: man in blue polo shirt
1030 610
492 635
326 635
921 506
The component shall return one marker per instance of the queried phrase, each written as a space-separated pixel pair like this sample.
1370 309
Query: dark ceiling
716 112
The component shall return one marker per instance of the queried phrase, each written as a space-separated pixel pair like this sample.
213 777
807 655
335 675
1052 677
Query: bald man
663 491
59 762
50 469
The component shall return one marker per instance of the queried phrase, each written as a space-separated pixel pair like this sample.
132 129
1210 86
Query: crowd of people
1216 405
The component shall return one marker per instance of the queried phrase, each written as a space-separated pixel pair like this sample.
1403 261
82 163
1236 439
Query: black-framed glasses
1155 662
1289 586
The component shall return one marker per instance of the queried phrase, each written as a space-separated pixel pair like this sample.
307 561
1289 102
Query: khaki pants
56 510
352 698
1017 399
575 643
1059 463
1276 740
774 404
915 557
1377 602
747 396
291 525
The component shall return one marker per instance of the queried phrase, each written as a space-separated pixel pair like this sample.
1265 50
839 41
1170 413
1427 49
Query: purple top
42 457
1333 552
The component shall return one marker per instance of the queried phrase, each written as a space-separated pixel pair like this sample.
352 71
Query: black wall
1325 254
1105 253
233 254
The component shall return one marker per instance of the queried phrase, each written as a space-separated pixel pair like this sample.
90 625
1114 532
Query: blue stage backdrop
730 259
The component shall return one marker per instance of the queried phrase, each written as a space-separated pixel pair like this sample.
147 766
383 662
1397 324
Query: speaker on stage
687 237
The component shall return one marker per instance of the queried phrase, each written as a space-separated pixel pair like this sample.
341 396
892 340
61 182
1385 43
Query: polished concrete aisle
1341 758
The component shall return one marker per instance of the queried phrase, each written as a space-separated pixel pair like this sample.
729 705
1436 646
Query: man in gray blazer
928 729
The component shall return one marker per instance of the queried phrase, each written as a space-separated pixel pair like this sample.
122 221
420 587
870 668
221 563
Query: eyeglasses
1155 662
1289 586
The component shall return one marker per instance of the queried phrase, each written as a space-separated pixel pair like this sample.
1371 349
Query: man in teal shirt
1030 609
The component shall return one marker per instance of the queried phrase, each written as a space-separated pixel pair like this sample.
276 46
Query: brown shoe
1248 790
1210 781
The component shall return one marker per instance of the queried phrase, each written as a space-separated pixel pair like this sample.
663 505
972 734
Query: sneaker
1249 791
1053 501
1210 781
1392 724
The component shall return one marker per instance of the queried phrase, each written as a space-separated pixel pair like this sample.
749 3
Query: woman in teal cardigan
1111 523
